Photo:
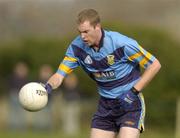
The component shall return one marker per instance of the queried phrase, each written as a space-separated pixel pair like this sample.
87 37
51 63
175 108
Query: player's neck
96 46
99 35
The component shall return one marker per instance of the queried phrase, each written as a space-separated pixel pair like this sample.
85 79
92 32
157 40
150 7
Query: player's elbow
157 65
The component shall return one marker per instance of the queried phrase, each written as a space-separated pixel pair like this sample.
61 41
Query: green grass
157 134
85 134
36 134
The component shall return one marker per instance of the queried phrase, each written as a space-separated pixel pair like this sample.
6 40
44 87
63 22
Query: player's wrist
48 88
135 91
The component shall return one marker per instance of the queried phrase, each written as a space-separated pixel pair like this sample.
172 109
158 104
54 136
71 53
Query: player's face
89 33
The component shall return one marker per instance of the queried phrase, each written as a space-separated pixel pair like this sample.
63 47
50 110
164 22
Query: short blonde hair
90 15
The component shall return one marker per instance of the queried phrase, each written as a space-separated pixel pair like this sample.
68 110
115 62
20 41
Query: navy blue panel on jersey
132 76
97 64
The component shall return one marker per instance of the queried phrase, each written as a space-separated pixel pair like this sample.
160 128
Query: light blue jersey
115 66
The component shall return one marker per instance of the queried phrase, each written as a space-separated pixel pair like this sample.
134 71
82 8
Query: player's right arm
55 80
65 68
68 64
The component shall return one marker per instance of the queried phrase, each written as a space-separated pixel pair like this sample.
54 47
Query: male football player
113 61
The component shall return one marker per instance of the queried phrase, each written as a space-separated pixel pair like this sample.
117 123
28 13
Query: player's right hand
48 87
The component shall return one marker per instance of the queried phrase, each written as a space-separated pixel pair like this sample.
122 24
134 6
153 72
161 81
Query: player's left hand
129 97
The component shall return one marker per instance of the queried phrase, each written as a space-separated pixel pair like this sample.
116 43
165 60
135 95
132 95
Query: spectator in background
45 72
71 96
3 105
18 78
44 119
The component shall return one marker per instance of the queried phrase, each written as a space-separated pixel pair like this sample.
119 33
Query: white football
33 96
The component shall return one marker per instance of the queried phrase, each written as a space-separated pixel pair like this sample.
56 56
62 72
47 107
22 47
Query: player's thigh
128 132
98 133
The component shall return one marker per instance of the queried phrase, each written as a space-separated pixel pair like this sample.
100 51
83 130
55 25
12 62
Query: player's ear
98 26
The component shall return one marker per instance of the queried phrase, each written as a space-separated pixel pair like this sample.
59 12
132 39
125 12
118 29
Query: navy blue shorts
112 114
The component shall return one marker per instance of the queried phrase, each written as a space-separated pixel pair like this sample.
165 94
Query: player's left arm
148 75
138 55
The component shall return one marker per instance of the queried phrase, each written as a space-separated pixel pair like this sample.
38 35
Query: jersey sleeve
69 63
135 53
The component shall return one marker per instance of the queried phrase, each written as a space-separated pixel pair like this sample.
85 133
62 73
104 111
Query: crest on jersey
88 60
110 59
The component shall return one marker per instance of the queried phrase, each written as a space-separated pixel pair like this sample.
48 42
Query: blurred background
34 35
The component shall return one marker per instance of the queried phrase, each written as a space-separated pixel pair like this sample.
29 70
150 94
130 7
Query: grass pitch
84 134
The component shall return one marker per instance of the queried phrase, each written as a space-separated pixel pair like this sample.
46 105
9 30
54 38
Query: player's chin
87 43
90 44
